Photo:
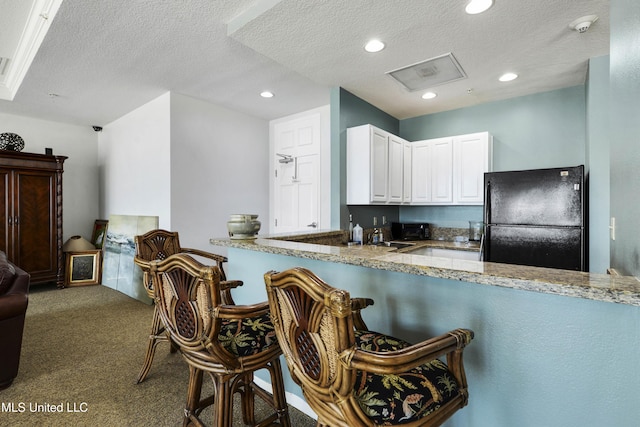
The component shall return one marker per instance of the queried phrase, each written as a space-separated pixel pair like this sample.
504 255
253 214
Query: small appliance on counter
410 231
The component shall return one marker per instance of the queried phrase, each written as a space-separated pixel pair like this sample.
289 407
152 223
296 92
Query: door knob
313 224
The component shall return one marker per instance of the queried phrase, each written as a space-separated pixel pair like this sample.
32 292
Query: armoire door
35 218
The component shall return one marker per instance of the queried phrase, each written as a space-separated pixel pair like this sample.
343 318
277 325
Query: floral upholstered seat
249 336
404 397
352 376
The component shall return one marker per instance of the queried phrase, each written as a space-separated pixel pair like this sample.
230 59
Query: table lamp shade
77 244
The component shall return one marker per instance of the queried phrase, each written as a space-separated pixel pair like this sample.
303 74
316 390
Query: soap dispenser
357 234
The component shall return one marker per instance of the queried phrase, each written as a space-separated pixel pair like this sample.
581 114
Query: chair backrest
314 326
157 245
187 295
152 246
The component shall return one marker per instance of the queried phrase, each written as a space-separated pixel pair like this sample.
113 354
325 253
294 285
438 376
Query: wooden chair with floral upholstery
228 342
158 245
351 376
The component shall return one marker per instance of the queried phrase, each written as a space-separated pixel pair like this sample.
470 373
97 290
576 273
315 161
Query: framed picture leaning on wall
83 268
99 232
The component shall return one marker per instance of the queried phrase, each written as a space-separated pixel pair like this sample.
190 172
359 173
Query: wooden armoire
31 214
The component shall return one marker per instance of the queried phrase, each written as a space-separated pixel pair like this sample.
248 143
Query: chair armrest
357 305
360 303
241 311
230 284
209 255
393 362
145 265
225 291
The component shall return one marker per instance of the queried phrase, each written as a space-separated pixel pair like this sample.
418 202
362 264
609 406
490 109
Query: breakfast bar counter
600 287
551 347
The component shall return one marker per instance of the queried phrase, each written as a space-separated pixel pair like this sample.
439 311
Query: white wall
134 158
80 178
219 166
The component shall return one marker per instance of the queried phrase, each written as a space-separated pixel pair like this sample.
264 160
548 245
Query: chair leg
193 397
223 405
279 398
156 336
247 398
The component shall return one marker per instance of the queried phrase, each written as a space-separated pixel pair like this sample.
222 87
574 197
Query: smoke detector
581 25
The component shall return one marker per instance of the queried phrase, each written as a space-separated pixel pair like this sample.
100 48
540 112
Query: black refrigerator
536 217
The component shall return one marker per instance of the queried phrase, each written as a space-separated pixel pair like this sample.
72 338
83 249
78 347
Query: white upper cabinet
383 168
472 158
450 171
375 166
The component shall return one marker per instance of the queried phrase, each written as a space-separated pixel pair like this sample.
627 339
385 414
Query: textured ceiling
104 59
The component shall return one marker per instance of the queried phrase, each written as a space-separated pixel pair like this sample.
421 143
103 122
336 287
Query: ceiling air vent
432 72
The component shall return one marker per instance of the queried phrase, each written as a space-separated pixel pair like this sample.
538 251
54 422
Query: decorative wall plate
11 142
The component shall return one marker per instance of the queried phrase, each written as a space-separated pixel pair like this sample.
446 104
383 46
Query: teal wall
598 163
625 131
544 130
347 110
537 359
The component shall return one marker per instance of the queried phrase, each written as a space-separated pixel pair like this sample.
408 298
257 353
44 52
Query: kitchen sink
399 245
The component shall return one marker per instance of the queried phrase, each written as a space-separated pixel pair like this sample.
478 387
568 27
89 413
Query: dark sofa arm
14 301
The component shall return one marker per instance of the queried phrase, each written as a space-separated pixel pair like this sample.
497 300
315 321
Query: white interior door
297 198
297 183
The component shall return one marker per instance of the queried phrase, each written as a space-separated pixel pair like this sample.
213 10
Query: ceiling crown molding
36 26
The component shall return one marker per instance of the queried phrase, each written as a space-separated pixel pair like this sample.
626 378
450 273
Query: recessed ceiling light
429 95
478 6
507 77
374 46
266 94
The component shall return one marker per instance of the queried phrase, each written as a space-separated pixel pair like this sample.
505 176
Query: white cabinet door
396 170
442 170
432 169
406 172
379 173
472 159
421 172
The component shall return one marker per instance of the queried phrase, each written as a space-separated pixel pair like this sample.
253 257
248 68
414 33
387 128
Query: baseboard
292 399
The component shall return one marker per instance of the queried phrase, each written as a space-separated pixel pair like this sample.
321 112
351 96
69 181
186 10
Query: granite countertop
599 287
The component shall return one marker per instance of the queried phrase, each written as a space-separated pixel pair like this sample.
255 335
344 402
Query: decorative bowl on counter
243 226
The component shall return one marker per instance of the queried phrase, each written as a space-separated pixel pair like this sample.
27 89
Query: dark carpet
82 350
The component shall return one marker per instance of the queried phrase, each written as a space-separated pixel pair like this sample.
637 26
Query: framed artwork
99 232
83 268
119 270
